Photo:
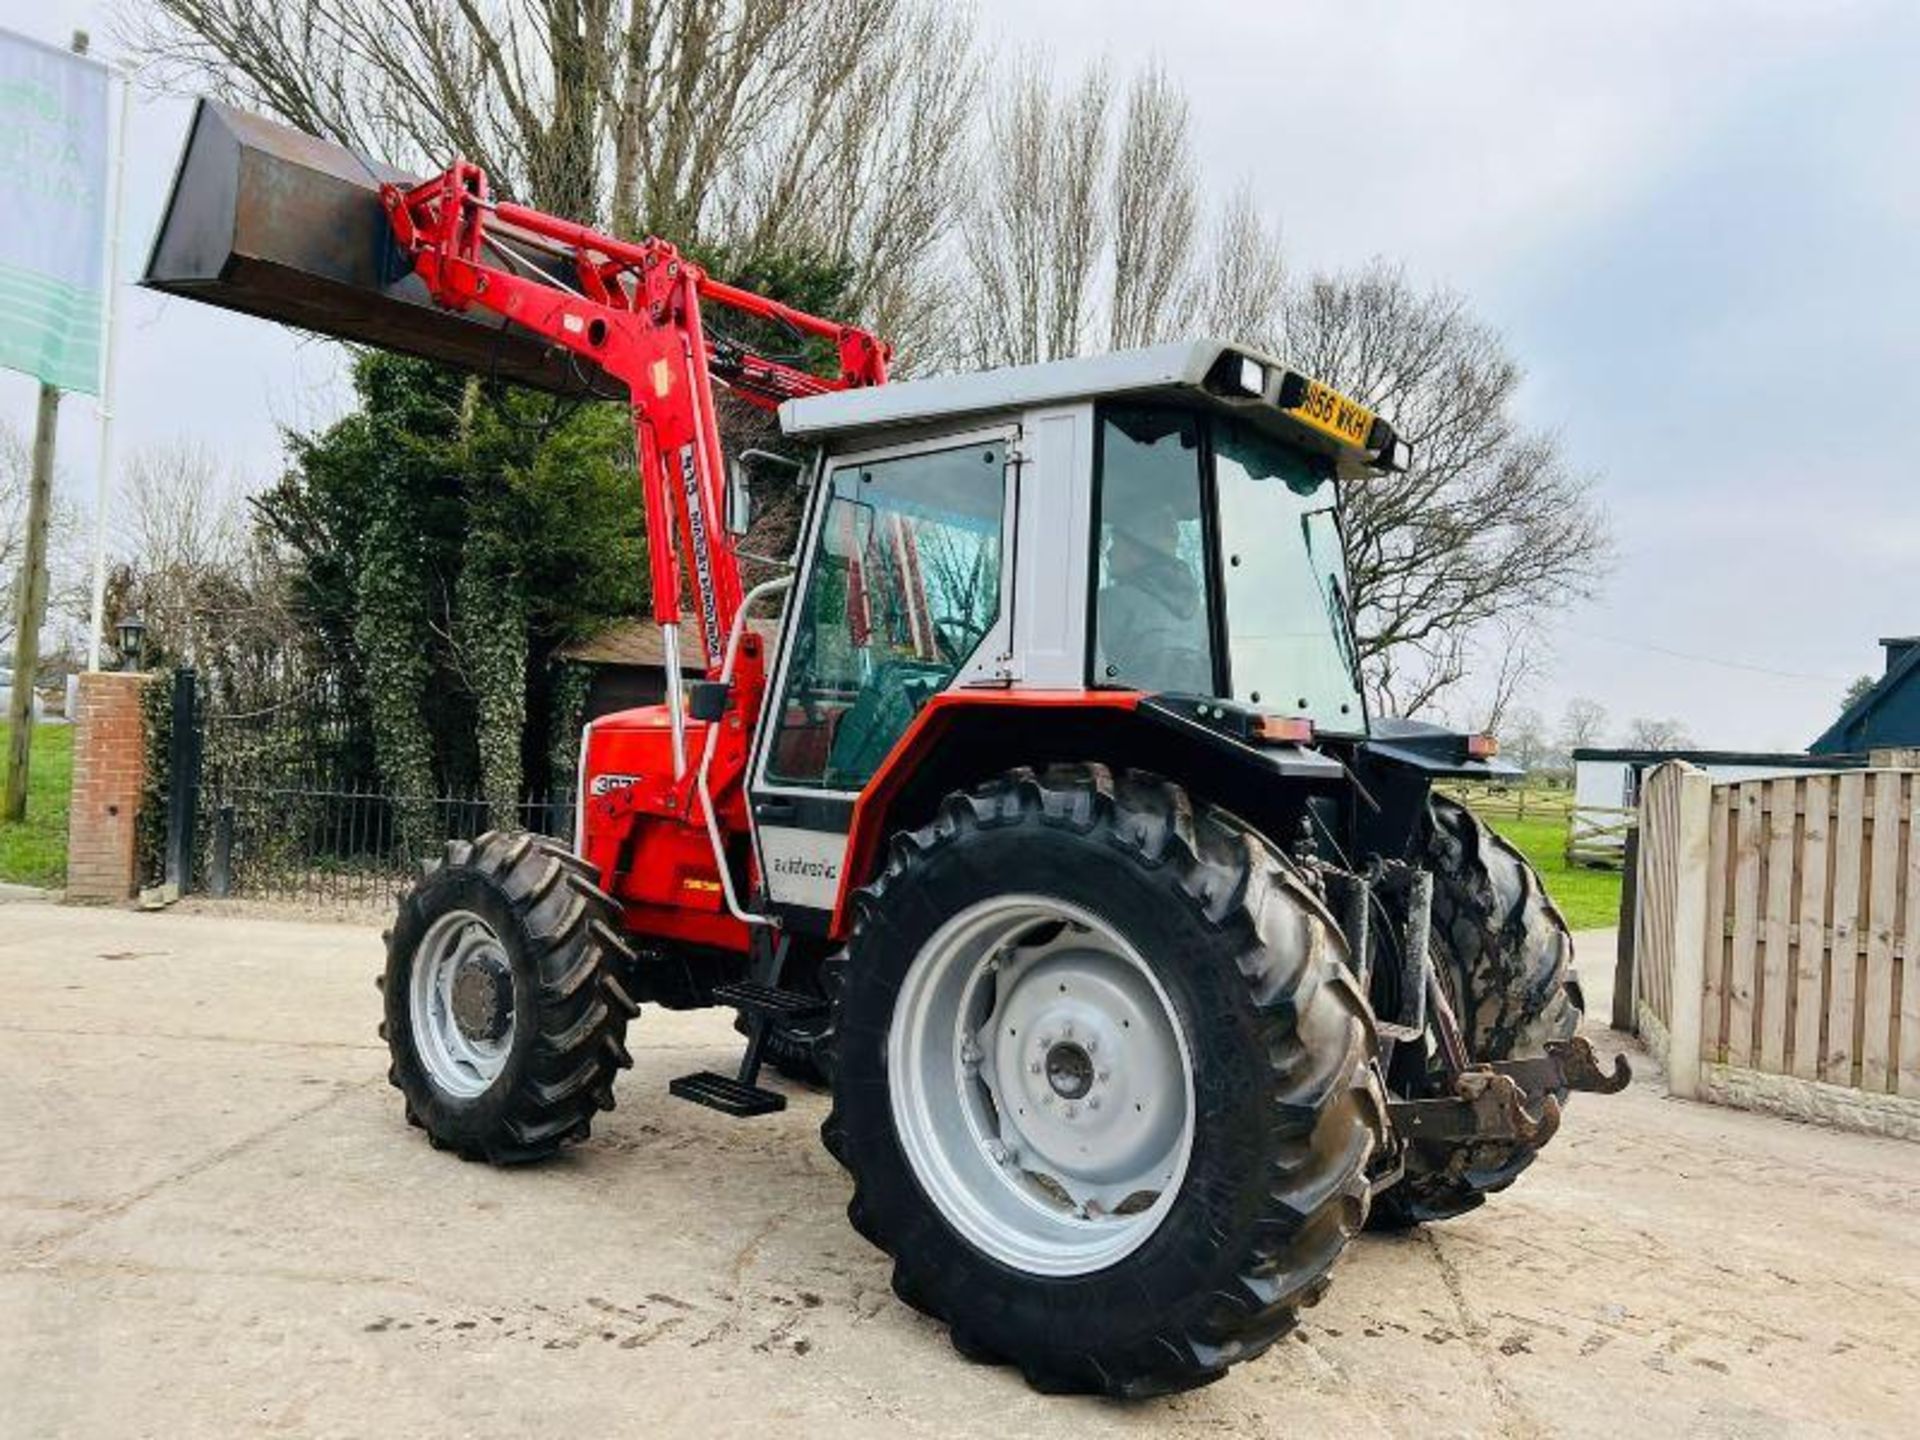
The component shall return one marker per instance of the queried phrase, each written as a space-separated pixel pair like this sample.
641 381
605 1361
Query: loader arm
636 316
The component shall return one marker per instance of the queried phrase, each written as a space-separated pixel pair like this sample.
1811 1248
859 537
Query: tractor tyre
506 1017
1504 958
1103 1080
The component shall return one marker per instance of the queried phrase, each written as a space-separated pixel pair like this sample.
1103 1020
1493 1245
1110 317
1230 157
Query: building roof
1849 732
1160 372
1786 760
637 642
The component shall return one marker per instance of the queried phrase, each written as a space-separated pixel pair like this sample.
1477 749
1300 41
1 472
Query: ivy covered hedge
156 727
451 537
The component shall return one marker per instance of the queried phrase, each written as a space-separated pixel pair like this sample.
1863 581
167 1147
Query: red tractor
1053 835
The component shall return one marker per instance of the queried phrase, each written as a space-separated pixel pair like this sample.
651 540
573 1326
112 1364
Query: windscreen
1290 644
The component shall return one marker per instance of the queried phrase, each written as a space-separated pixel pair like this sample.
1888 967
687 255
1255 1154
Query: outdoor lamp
131 631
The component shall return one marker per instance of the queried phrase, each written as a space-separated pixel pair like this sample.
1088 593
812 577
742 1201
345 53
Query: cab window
905 584
1151 608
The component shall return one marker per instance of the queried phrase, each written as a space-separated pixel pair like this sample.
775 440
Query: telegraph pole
30 605
30 600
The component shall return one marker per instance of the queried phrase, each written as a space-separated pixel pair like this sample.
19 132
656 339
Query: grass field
34 852
1590 899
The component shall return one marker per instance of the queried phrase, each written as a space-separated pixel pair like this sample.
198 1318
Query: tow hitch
1510 1099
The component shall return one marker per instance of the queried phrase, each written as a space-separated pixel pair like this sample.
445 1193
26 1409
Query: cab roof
1184 372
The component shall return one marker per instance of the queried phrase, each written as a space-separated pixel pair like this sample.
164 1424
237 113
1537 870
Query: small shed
628 662
1887 717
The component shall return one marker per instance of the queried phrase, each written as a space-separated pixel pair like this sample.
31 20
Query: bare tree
1243 295
66 557
1155 215
210 591
1037 228
15 469
1665 734
827 130
1582 723
1523 737
1085 229
1490 527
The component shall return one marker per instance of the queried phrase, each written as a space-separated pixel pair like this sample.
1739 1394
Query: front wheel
505 1016
1103 1081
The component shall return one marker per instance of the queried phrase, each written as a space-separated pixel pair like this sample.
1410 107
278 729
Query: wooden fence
1772 938
1514 800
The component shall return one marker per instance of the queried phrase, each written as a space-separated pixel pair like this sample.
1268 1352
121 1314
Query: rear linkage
1505 1100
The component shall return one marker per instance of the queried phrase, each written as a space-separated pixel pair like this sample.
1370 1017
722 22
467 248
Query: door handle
773 810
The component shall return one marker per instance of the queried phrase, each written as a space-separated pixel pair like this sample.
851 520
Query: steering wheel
969 635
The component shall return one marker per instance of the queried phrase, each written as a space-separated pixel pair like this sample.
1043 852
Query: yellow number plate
1330 412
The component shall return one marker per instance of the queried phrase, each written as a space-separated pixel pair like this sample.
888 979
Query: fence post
1692 852
220 867
1628 921
183 780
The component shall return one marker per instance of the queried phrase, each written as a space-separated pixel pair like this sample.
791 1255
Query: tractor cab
1161 523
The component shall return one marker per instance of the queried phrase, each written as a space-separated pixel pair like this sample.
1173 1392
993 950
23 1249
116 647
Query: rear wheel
505 1015
1504 958
1103 1081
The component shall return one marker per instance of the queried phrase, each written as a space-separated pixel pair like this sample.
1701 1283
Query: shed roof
1786 760
637 642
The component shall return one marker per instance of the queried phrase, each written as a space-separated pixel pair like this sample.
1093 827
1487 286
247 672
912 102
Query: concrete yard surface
214 1220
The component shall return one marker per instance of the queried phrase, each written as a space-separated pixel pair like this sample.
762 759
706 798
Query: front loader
1145 966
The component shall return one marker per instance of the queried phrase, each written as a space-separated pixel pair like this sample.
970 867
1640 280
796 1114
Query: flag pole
103 461
31 598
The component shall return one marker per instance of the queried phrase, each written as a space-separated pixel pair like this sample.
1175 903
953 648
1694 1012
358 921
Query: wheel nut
1104 1076
996 1152
1033 1067
1093 1102
1072 1110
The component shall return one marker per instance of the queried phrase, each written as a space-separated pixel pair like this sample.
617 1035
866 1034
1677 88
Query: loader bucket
271 221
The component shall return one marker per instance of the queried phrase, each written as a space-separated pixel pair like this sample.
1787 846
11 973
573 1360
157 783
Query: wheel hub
482 1000
1041 1084
1069 1070
1087 1077
460 1001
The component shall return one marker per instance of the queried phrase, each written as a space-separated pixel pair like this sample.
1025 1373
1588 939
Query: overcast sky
1695 223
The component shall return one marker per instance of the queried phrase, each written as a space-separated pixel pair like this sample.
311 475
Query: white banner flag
53 184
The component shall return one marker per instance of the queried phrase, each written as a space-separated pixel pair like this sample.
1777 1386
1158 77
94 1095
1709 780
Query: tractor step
727 1095
751 999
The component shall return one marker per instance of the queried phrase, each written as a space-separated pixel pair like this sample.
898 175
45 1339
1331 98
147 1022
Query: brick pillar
109 767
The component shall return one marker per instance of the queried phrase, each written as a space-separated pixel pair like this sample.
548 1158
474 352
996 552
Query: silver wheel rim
1042 1086
461 1000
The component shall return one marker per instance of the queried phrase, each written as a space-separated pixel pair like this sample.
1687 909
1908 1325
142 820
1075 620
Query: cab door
906 590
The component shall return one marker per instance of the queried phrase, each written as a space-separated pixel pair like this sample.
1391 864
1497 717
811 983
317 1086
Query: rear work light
1482 747
1283 729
